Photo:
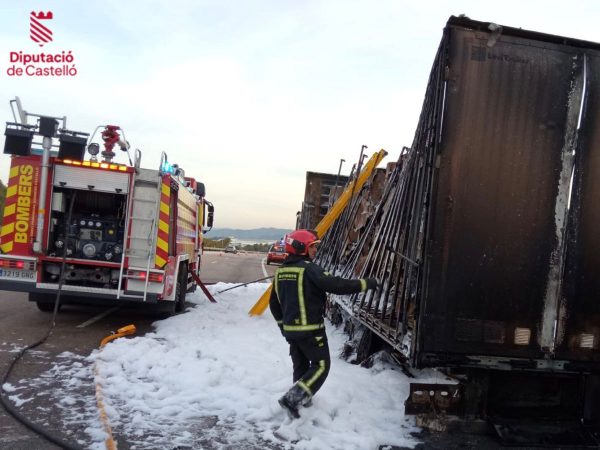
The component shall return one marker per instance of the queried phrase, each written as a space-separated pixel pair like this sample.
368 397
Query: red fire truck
96 230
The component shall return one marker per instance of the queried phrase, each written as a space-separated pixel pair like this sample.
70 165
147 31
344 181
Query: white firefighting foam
211 377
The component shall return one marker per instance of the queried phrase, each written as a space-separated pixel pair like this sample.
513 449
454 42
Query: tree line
222 243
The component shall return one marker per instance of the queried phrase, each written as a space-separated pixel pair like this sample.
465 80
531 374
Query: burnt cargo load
98 231
486 237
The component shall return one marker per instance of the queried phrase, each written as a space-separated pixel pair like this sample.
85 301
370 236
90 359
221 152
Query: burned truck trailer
486 237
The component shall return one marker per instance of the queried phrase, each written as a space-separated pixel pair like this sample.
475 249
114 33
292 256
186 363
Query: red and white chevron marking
37 32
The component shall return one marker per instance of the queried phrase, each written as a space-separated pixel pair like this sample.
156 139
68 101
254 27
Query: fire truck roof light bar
96 165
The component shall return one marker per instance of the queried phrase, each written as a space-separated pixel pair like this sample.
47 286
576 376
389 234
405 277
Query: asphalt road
79 330
21 324
234 268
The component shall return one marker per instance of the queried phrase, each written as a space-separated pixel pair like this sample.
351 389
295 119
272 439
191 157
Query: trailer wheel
181 288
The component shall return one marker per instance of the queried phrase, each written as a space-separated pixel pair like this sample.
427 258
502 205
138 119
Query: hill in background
267 234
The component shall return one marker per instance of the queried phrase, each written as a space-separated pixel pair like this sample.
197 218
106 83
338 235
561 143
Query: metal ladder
142 224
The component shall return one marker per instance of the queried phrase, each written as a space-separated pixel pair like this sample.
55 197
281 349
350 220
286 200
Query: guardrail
217 249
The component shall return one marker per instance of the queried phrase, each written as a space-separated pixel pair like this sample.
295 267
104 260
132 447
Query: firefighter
298 305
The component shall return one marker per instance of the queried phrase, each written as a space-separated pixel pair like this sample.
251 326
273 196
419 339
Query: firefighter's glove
372 284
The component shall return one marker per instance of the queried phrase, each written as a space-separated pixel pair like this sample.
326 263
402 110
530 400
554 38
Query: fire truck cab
96 230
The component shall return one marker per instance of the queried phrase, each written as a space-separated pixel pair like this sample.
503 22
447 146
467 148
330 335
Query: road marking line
98 317
263 267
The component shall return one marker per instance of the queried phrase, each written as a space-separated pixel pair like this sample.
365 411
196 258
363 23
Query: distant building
319 195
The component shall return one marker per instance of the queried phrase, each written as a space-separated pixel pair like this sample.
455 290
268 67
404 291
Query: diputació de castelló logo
38 31
60 63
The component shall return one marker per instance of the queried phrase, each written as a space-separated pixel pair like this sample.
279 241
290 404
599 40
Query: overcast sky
249 95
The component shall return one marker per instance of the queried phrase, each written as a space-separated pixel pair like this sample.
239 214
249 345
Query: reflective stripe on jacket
298 298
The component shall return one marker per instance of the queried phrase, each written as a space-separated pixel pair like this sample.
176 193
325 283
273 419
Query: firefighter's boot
293 399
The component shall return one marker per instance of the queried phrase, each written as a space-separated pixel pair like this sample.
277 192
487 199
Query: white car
231 249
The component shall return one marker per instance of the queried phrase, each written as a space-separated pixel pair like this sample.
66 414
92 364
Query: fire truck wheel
181 288
44 302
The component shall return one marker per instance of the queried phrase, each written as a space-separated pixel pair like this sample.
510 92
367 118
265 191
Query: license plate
10 274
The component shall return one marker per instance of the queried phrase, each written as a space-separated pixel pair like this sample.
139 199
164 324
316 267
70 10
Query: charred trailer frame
486 236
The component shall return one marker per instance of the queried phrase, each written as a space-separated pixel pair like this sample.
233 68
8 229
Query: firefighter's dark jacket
299 294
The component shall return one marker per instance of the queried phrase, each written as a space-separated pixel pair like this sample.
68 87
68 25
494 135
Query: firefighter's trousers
311 360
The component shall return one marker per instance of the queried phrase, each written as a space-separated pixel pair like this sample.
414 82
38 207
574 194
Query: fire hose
109 441
4 398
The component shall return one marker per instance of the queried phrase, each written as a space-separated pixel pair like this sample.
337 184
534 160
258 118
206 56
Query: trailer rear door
499 205
578 331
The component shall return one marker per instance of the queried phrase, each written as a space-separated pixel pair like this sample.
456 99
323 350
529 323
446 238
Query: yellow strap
334 212
260 306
